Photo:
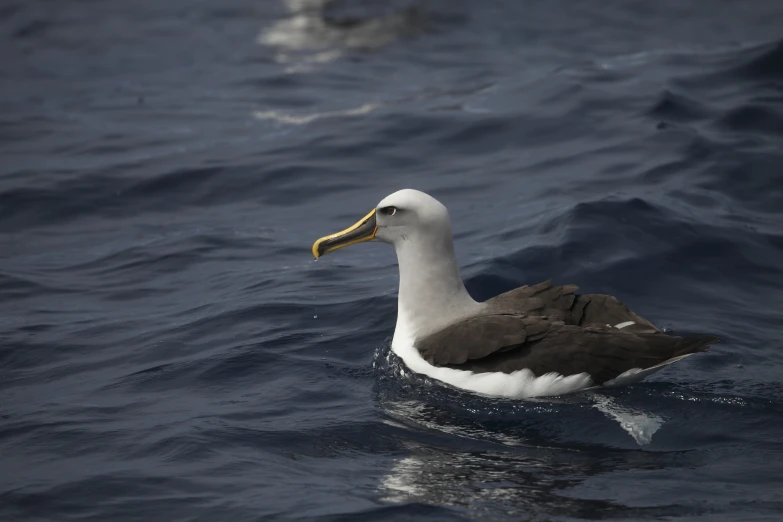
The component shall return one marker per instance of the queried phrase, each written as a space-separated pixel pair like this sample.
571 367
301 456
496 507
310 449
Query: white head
410 214
406 215
419 228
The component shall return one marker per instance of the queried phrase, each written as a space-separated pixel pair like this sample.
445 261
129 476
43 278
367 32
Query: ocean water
169 351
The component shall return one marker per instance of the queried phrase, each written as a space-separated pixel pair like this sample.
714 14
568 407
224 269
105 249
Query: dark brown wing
541 299
603 354
479 337
547 328
563 303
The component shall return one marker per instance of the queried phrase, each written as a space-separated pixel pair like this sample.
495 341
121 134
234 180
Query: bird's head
407 214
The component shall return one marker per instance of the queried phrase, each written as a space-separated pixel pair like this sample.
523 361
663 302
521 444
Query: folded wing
547 328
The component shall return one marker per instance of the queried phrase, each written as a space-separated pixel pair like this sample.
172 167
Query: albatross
537 340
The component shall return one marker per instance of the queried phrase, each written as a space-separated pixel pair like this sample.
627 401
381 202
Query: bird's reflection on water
497 473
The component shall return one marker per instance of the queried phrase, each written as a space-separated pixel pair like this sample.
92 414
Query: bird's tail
694 344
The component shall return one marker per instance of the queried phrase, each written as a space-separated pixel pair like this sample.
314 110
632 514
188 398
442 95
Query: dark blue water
170 351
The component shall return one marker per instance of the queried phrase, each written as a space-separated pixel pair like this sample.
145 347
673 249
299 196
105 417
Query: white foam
293 119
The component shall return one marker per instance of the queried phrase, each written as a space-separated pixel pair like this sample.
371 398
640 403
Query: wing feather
547 328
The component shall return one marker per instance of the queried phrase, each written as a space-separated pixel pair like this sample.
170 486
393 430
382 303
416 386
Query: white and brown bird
532 341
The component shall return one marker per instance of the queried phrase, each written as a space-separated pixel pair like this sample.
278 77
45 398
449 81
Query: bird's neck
432 294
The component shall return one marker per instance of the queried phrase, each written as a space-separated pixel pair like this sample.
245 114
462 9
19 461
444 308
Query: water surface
170 351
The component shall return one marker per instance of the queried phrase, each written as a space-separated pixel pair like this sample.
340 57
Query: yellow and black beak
363 230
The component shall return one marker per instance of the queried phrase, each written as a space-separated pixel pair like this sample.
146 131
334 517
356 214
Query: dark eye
389 211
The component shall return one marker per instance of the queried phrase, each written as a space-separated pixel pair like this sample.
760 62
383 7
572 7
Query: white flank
520 384
517 385
620 326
